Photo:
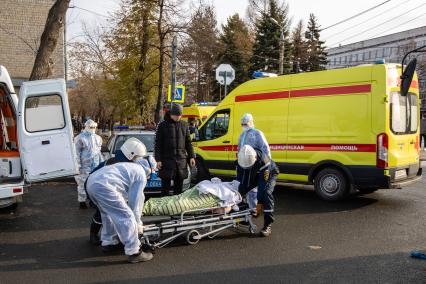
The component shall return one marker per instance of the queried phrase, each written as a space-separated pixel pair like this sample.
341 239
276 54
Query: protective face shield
247 121
90 126
133 149
247 157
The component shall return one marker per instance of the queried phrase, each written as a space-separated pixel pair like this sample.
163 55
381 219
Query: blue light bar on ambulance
260 74
380 61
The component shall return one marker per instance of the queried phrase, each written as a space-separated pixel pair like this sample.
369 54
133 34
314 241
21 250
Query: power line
376 26
90 11
368 20
422 15
357 15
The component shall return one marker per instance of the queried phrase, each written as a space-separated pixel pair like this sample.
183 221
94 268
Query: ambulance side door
45 133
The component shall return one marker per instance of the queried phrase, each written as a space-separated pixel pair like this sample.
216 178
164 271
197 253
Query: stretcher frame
195 225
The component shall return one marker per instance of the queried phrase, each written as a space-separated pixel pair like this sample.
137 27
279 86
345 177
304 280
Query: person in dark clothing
173 150
193 129
253 171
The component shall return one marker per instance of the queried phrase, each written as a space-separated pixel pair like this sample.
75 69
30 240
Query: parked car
117 139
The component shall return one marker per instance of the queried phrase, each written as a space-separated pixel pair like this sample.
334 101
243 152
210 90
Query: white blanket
227 192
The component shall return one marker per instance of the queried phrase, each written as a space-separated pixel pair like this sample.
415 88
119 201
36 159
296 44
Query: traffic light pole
173 79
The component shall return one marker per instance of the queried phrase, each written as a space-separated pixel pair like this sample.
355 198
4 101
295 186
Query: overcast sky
393 16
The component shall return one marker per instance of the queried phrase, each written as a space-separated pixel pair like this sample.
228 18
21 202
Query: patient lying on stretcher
206 194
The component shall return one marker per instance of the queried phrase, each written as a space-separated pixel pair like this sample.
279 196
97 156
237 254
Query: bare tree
43 64
168 15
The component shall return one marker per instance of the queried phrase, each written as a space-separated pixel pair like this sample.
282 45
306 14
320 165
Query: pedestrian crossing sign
179 96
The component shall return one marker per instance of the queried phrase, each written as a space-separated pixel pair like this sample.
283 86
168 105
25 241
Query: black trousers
166 185
266 180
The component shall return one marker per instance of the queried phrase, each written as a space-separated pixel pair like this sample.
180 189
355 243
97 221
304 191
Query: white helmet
247 156
133 148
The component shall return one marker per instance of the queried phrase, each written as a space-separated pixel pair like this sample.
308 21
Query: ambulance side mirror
407 76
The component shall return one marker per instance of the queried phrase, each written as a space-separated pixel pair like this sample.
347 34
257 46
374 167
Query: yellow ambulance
198 111
336 129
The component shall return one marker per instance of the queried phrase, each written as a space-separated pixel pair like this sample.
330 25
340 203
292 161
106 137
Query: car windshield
145 138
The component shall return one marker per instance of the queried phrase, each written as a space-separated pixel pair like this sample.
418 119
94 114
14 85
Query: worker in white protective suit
255 138
88 147
117 190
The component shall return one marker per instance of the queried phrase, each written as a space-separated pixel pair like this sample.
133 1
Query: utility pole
226 87
173 79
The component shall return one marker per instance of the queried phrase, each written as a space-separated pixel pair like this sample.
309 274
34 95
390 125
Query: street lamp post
173 73
282 46
282 49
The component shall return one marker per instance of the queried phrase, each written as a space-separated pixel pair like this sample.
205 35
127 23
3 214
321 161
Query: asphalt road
366 239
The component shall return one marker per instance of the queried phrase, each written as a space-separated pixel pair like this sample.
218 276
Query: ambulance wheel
331 184
190 237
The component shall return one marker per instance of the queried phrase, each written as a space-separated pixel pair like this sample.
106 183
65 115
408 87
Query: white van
35 135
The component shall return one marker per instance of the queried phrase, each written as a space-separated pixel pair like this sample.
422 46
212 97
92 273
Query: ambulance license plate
400 174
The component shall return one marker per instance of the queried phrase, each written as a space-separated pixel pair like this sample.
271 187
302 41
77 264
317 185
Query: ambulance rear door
45 133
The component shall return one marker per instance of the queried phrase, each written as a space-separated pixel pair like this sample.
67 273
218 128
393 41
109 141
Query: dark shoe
83 205
94 239
140 257
266 231
113 248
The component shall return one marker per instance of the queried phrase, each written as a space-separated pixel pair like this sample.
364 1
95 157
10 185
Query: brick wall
22 23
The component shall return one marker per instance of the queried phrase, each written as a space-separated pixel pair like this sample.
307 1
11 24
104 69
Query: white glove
140 229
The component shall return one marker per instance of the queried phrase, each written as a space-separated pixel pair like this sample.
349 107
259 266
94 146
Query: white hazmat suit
117 190
88 147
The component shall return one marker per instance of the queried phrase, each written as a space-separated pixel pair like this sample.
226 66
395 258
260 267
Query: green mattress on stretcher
175 205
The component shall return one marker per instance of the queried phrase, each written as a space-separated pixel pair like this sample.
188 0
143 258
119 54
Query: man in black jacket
173 150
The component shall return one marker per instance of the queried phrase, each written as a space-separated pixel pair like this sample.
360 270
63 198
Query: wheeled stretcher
193 225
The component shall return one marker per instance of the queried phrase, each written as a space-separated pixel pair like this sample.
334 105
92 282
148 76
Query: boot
94 234
140 257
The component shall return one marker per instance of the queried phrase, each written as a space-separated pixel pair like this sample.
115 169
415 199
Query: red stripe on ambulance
369 148
341 90
263 96
361 148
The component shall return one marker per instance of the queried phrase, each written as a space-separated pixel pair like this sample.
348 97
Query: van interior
8 128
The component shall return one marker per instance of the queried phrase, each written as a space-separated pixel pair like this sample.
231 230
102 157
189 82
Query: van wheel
331 184
202 172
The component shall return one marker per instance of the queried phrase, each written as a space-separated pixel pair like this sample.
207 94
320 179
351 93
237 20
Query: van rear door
45 131
404 124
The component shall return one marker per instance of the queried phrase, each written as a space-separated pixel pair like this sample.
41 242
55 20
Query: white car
117 139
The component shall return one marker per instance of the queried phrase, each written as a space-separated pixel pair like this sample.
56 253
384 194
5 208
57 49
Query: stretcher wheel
190 240
253 229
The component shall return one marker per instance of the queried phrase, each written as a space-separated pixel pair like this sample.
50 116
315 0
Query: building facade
22 23
391 48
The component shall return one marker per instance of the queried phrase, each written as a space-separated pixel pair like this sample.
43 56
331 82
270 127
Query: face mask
245 128
91 130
